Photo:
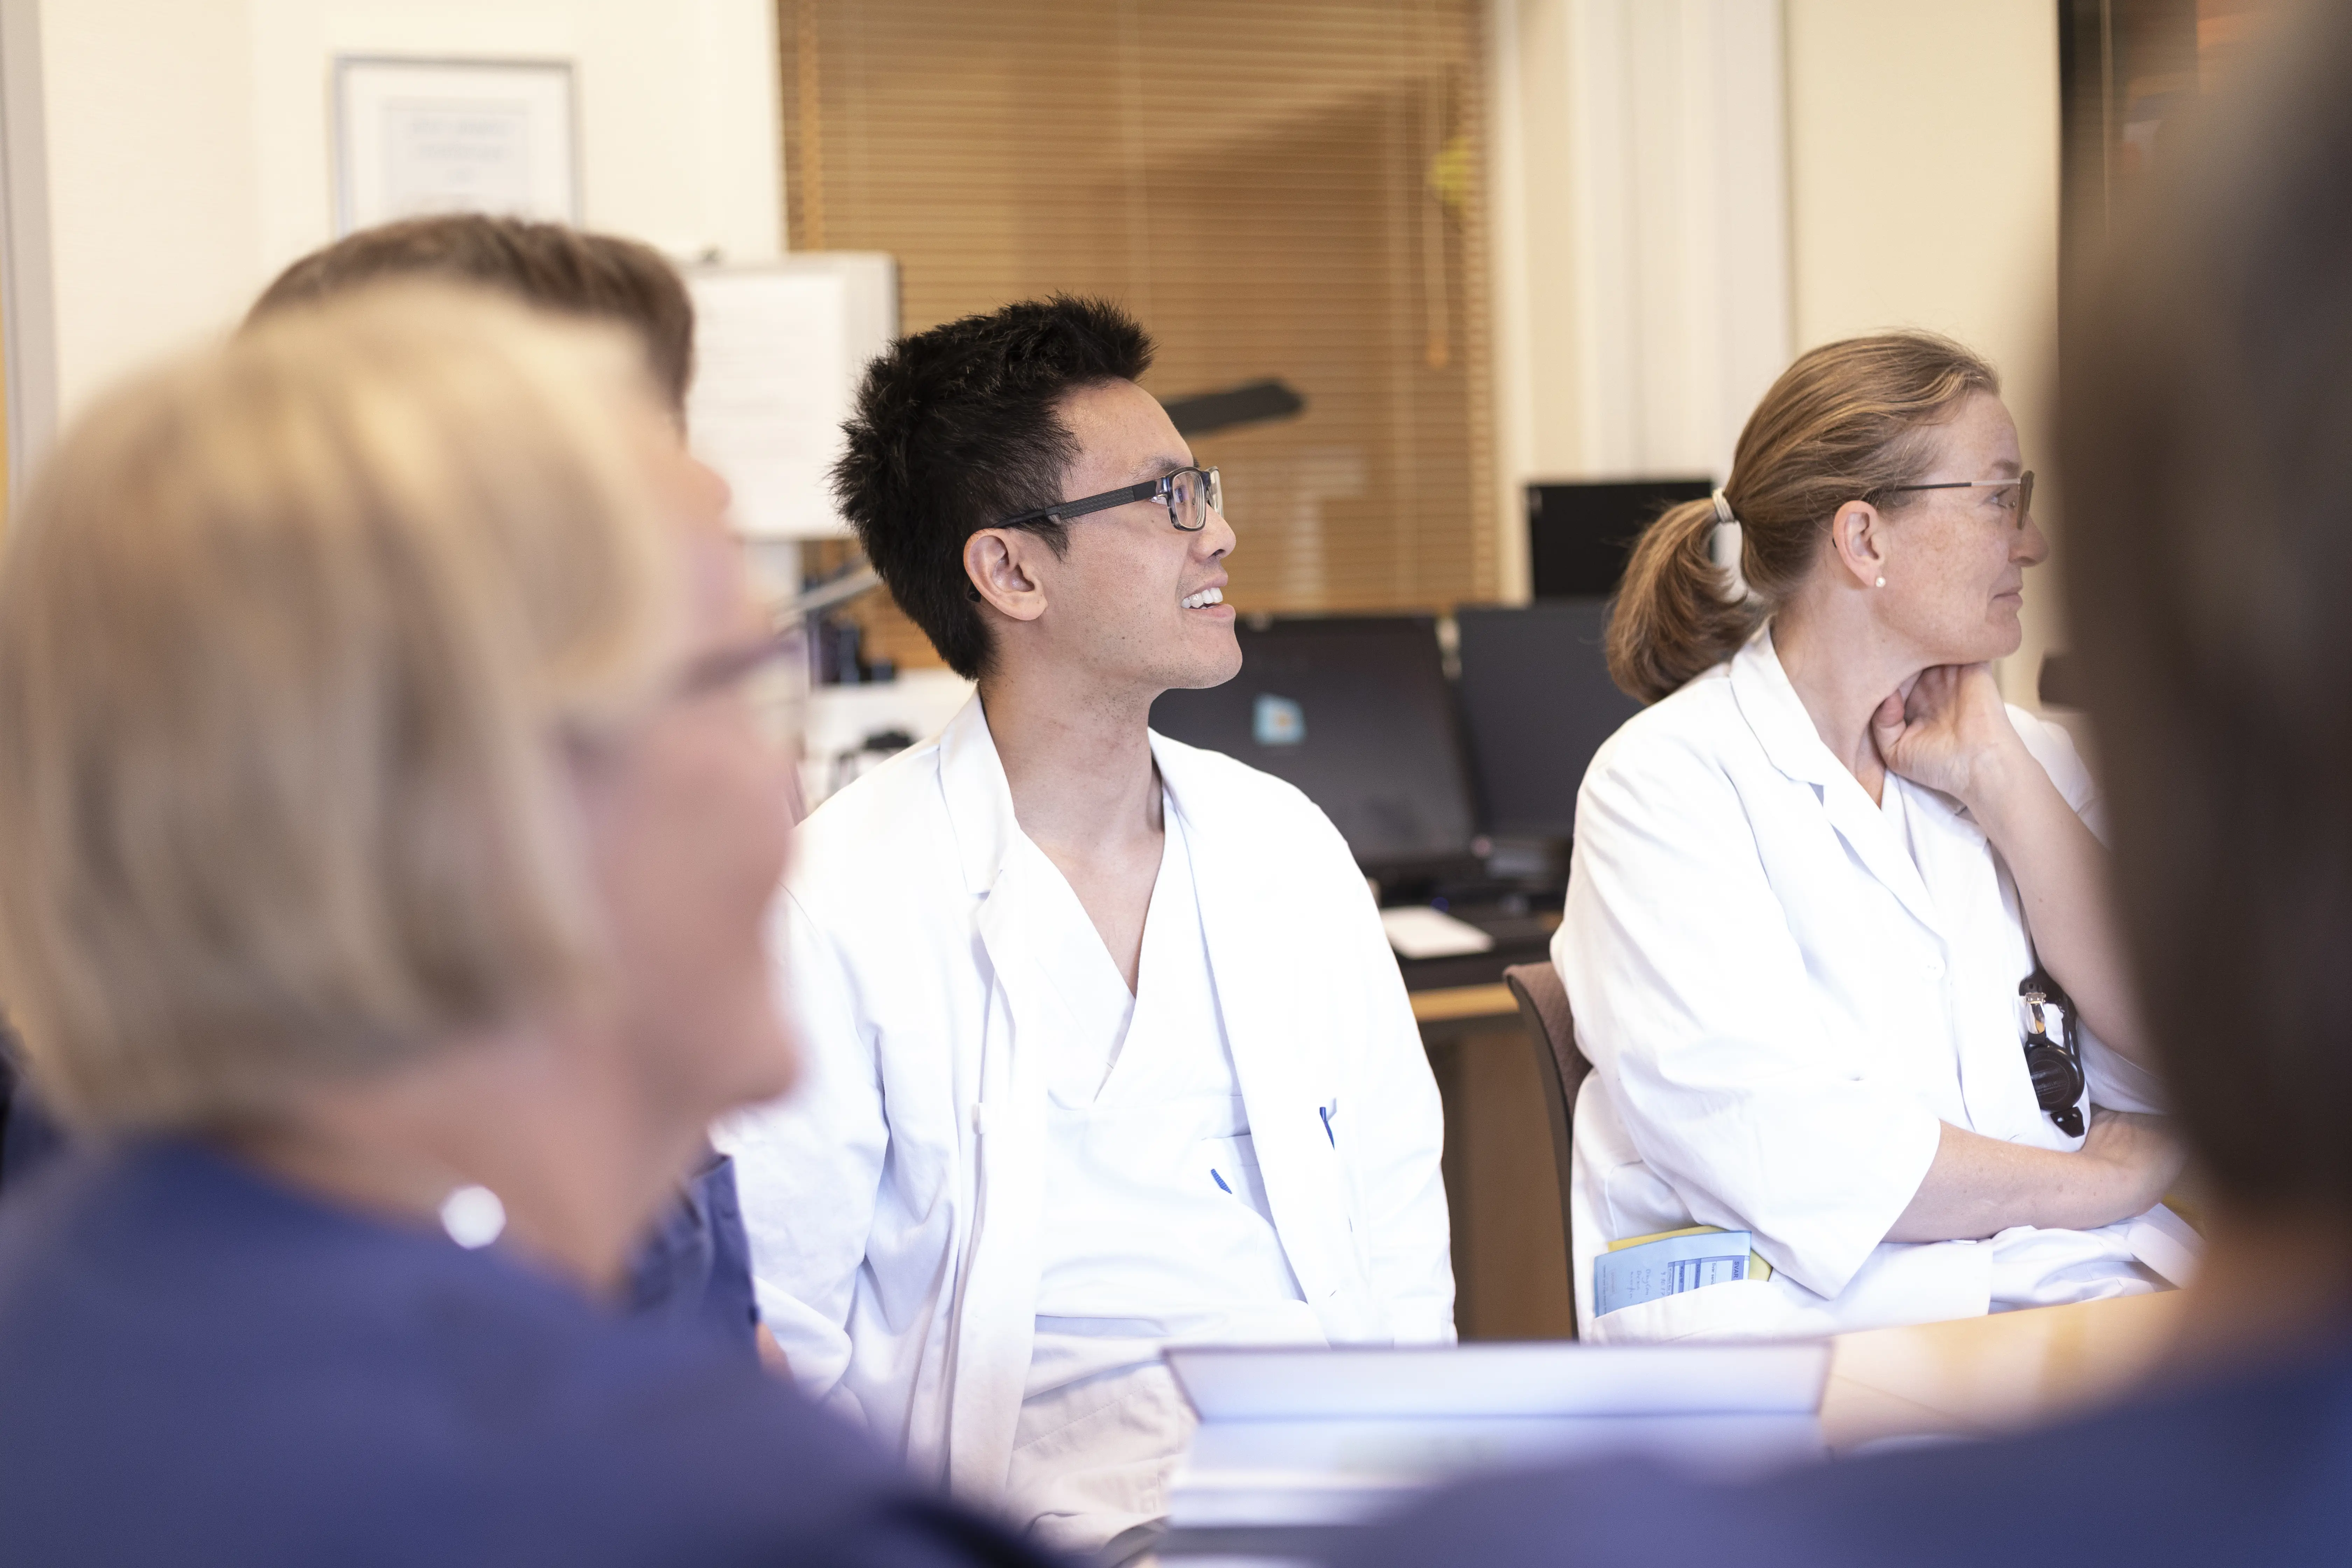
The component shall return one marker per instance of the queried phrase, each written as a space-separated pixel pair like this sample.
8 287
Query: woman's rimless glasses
1190 495
2023 483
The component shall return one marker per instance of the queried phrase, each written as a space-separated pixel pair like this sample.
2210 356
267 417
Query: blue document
1668 1266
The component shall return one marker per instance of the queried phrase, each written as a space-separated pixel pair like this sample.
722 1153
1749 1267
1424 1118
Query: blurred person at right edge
2208 447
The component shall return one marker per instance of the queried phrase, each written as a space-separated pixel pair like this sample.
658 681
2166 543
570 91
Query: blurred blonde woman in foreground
387 837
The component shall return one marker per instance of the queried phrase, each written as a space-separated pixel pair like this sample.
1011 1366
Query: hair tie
1723 509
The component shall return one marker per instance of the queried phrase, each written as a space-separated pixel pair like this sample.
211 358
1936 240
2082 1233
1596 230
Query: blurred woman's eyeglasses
727 667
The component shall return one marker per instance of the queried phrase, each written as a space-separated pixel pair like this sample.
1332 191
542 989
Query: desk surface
1458 1001
1978 1376
1975 1376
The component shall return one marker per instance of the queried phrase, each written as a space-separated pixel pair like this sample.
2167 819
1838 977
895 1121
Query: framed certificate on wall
417 136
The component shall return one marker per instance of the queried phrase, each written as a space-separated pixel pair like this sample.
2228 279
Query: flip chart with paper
779 349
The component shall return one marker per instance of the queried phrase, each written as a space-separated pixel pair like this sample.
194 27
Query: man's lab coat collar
979 798
1778 718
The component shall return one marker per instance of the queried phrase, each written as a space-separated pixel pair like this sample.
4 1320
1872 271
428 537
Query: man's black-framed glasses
1189 494
2024 483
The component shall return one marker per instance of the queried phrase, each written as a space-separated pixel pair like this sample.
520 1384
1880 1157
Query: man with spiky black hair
1106 1046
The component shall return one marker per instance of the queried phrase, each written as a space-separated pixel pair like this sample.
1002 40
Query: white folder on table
1291 1436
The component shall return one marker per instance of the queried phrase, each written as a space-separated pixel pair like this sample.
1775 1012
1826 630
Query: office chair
1543 1007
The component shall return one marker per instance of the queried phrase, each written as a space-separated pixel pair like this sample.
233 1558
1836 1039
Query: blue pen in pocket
1219 1180
1327 1113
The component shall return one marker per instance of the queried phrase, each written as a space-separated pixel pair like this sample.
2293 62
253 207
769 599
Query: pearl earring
1882 582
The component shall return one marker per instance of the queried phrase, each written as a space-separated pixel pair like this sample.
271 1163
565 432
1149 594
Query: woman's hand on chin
1948 731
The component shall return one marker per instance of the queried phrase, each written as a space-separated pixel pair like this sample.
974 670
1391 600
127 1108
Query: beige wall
1921 143
1531 235
1924 149
1639 198
188 151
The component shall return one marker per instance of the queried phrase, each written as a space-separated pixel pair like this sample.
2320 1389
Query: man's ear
1858 540
997 562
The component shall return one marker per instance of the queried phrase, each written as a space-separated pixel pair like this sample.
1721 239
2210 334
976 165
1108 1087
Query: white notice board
779 349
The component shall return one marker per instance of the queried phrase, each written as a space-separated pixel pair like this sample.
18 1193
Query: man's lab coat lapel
1777 715
994 1317
1259 999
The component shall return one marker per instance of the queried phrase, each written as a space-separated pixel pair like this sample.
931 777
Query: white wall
1923 162
188 154
1641 246
1687 193
1530 230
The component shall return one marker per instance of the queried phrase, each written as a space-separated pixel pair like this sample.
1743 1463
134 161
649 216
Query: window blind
1285 189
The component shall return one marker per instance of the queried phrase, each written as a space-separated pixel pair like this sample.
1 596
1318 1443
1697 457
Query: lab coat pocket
1638 1202
1738 1309
1232 1165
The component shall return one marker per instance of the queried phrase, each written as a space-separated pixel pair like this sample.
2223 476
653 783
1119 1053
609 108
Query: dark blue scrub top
28 1137
2258 1470
199 1366
696 1265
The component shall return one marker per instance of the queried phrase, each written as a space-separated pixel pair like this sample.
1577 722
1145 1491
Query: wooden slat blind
1284 188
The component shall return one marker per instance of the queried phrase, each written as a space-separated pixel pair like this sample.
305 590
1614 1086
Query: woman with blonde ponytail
1833 906
1676 615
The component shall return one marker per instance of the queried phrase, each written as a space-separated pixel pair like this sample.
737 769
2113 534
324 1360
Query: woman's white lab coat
893 1202
1783 989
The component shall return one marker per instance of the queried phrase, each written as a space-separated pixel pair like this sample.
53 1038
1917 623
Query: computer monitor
1355 711
1536 702
1580 535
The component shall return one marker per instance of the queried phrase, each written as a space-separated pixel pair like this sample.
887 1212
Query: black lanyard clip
2053 1056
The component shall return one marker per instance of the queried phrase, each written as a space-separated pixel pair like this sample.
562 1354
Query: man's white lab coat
1783 989
893 1201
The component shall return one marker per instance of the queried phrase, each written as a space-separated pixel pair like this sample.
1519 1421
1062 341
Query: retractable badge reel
2053 1057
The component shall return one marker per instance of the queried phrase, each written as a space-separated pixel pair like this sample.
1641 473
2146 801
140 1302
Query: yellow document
1756 1268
